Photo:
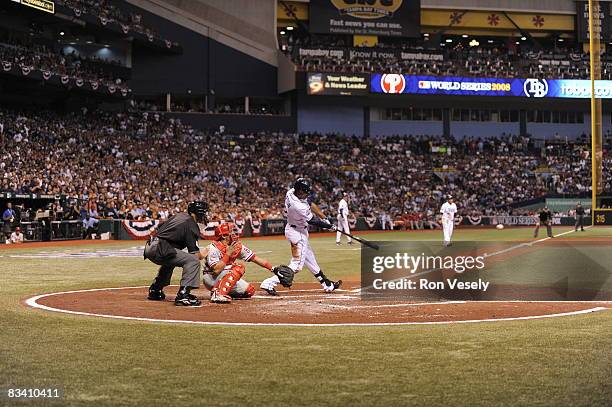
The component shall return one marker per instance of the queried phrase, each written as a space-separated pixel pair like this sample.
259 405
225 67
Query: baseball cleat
351 243
156 294
187 300
219 298
338 244
329 286
271 291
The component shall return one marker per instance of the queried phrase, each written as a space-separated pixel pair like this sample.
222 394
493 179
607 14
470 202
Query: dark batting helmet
302 185
199 209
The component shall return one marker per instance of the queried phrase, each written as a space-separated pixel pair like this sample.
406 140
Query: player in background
544 218
579 217
448 211
16 236
299 208
343 224
385 220
223 275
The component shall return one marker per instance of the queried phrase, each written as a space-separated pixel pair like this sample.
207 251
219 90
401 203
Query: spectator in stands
74 213
8 217
131 165
111 211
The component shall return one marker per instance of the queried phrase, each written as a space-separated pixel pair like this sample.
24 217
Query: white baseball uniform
343 224
213 257
448 211
296 231
385 220
16 237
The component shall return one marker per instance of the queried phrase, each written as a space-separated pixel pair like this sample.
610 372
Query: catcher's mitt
284 274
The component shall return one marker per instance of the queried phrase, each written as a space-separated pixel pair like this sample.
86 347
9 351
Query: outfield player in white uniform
343 224
448 211
299 216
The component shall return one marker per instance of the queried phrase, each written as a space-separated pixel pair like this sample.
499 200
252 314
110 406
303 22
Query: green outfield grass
550 362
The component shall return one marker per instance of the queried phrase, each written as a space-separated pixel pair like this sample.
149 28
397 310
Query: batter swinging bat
360 240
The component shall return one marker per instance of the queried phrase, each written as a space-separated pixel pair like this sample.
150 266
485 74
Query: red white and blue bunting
139 230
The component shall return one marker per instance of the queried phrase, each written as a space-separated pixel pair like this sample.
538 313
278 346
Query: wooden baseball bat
360 240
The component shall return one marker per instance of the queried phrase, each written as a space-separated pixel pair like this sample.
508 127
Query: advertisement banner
368 53
47 6
350 84
392 18
530 87
517 220
601 25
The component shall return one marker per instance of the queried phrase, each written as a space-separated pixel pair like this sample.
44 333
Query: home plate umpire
166 250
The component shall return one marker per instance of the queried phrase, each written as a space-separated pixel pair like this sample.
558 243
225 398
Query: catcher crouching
223 276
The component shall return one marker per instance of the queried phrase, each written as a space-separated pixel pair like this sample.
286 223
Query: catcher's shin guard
248 293
225 284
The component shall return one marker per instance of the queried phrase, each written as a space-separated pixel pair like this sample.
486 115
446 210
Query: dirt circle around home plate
304 304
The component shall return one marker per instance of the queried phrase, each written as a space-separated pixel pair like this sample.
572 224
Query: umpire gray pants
188 261
580 222
548 230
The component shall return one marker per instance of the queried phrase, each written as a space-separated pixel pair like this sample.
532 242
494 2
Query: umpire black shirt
545 216
180 231
579 210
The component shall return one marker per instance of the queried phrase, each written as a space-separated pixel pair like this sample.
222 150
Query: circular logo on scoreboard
392 83
367 9
535 88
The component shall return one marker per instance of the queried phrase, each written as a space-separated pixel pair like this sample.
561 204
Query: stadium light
282 33
61 33
449 40
490 41
474 43
426 35
517 43
289 28
523 38
464 36
560 40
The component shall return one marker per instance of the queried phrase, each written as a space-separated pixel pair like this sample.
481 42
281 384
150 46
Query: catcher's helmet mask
199 209
226 230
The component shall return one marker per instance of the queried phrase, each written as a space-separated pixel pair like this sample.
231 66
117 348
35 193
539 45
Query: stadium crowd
40 57
142 165
457 59
108 12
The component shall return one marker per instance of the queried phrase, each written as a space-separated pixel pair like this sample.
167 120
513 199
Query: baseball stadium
306 203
